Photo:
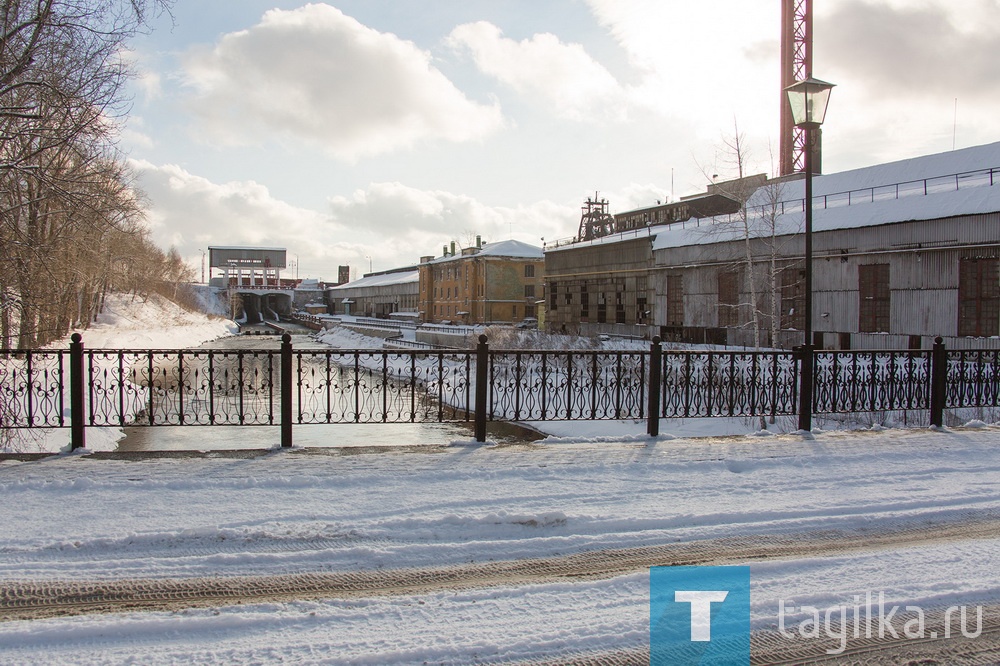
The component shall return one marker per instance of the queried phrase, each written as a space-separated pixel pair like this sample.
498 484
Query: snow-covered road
329 512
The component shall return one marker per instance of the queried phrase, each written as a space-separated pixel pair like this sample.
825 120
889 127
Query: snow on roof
631 234
946 196
381 280
931 207
968 169
507 248
904 171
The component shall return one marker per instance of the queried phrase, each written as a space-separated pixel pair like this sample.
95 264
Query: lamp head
808 100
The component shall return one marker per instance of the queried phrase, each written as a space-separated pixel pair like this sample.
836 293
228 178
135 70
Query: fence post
805 354
286 390
482 374
939 381
77 433
655 366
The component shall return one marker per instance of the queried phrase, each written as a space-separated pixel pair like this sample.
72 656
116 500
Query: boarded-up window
729 298
675 300
873 289
641 300
979 296
793 300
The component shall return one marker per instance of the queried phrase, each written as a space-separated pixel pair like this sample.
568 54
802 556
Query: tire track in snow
26 600
772 649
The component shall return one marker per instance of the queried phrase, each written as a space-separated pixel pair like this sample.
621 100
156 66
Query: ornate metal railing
196 387
728 384
566 385
285 387
32 389
973 378
382 386
871 381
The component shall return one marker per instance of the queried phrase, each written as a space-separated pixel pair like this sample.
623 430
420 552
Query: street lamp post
808 100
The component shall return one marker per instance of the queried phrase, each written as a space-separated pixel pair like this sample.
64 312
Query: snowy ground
131 323
456 543
74 518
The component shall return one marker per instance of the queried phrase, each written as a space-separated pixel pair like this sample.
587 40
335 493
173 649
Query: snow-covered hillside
129 322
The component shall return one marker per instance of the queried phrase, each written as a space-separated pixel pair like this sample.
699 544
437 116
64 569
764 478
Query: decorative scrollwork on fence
31 389
703 384
243 387
563 385
871 381
973 378
382 386
197 387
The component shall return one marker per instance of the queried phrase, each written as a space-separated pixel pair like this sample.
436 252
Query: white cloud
389 222
705 62
562 76
315 75
191 213
416 222
150 84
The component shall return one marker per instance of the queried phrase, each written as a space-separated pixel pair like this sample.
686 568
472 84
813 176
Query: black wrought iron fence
32 388
567 385
871 381
286 387
728 383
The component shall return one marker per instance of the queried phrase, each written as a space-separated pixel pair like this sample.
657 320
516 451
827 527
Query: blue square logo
699 615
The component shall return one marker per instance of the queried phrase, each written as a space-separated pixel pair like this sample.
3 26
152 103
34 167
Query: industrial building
903 252
394 292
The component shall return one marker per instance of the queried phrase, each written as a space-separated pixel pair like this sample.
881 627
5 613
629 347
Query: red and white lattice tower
796 65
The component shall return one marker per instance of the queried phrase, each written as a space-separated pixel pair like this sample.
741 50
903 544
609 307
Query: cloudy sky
370 132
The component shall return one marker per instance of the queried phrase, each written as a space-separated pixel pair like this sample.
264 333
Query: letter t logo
701 610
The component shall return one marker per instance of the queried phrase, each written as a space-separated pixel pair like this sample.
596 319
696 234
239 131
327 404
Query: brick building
489 283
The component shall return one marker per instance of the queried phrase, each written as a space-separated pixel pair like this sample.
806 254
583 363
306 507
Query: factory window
675 300
729 298
979 296
873 289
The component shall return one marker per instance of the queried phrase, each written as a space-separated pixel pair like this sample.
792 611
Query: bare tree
66 199
755 225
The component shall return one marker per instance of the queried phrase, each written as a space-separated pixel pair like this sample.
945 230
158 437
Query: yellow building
490 283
